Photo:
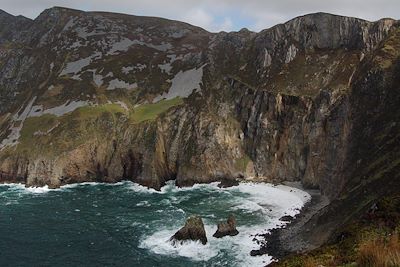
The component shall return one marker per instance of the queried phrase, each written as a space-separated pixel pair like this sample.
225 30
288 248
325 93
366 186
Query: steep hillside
372 168
90 96
102 96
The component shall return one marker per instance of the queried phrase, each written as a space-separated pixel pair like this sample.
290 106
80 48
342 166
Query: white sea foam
75 185
271 201
39 190
45 189
248 206
241 245
142 189
12 185
264 201
281 196
170 187
28 190
79 184
143 203
159 243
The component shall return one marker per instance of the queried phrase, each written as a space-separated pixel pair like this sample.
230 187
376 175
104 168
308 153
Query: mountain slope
93 96
76 71
373 161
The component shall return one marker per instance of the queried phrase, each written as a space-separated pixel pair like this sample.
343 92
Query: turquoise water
128 225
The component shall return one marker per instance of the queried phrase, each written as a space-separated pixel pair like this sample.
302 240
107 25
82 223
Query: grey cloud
221 14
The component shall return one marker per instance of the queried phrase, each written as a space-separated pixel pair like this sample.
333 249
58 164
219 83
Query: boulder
193 230
225 183
227 228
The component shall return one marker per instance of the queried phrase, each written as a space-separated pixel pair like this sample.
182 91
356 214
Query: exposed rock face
193 230
88 96
91 96
227 228
373 153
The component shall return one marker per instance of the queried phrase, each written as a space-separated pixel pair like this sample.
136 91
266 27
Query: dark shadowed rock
225 183
313 100
193 230
228 228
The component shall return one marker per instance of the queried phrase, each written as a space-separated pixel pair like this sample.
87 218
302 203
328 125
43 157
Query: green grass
45 122
72 129
95 111
37 124
152 111
85 123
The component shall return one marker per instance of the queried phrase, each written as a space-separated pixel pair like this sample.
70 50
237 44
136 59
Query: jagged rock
314 100
225 183
193 230
78 99
227 228
258 252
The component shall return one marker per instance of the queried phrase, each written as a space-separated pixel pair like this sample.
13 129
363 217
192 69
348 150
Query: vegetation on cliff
371 241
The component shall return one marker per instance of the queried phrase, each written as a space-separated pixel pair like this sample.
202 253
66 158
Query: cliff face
371 171
104 97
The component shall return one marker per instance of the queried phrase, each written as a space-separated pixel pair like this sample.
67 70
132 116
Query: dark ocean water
128 225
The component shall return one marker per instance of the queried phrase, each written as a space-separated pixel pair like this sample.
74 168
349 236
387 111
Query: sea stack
227 228
193 230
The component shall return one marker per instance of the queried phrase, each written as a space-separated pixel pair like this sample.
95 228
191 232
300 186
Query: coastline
255 198
273 243
280 242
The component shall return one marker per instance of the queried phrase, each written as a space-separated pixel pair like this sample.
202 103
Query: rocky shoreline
280 242
274 242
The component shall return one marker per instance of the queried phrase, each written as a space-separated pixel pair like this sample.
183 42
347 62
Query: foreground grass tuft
371 241
380 252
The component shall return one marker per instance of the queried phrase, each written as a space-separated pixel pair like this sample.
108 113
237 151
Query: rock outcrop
373 153
227 228
193 230
81 102
94 96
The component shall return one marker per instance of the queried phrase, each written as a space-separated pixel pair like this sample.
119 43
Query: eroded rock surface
227 228
94 96
193 230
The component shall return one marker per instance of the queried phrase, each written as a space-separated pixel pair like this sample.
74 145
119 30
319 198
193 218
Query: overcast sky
216 15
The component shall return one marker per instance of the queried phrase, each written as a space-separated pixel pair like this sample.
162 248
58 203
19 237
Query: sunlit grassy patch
95 111
52 135
151 111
